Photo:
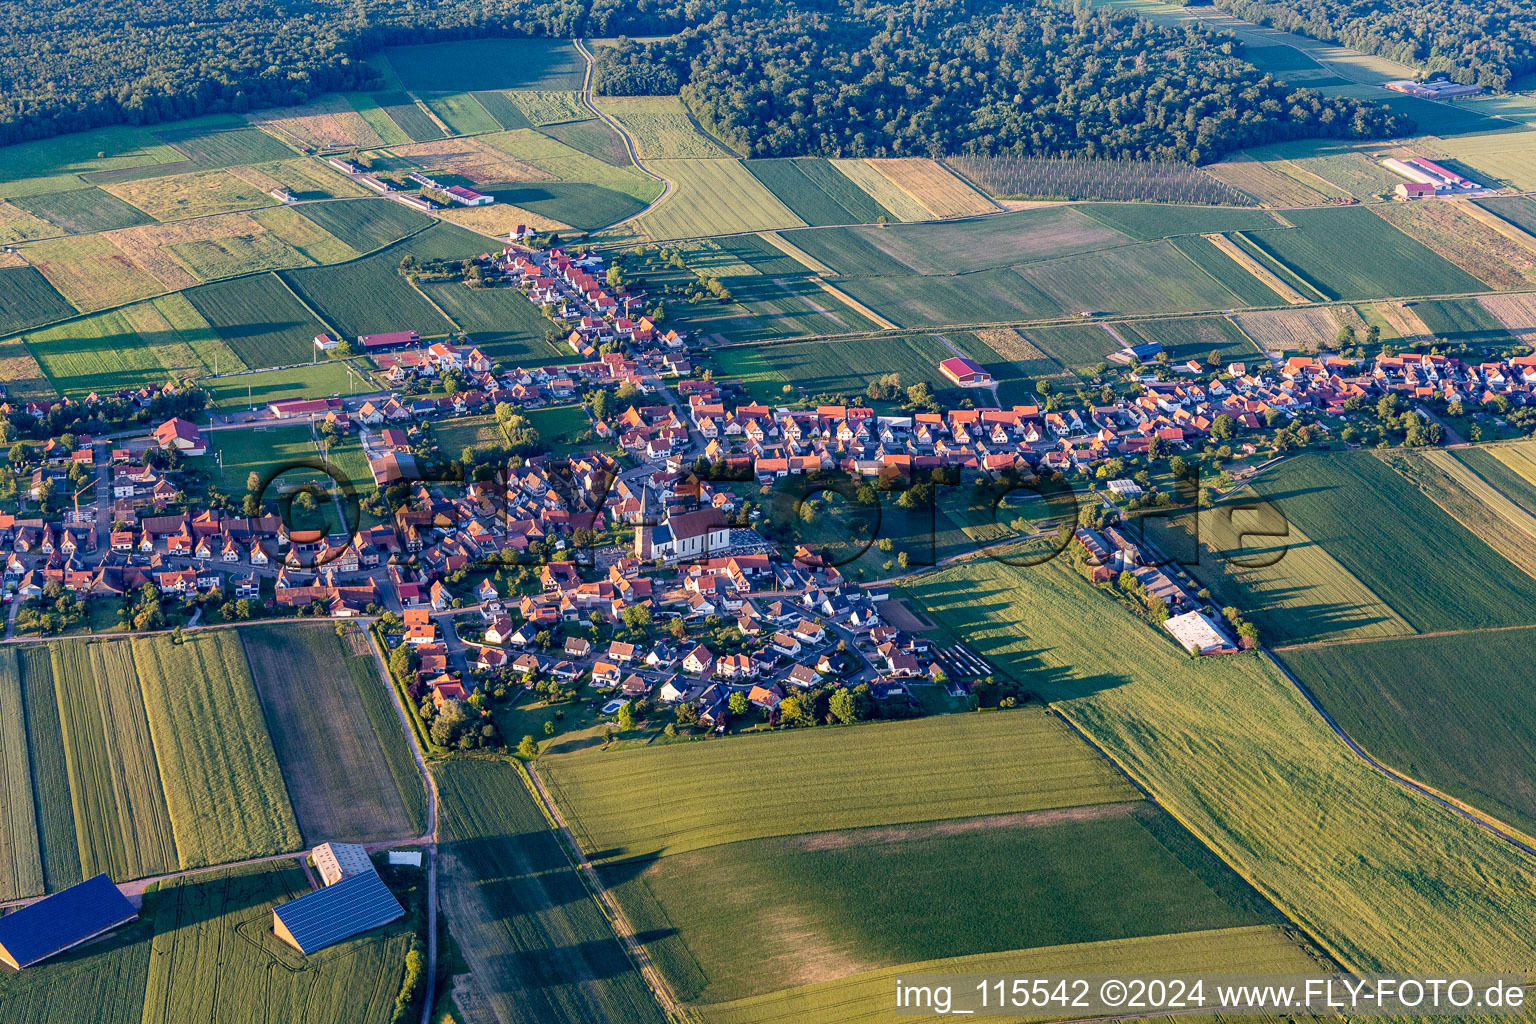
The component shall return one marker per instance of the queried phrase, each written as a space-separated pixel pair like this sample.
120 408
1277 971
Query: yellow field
1509 156
1516 312
17 225
183 253
91 272
1405 322
713 197
500 219
882 190
933 187
472 159
195 194
1520 457
327 123
301 177
662 128
1010 344
1267 277
144 249
1265 183
1469 242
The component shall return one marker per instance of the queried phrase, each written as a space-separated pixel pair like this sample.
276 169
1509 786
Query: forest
934 77
1474 43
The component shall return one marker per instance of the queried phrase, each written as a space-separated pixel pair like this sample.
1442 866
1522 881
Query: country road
629 142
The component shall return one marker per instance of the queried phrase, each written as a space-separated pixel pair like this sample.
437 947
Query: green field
848 367
247 389
225 145
558 427
348 770
661 128
951 767
102 982
21 865
259 319
593 137
566 164
368 108
1422 707
545 107
501 321
713 197
788 180
795 307
407 116
580 204
1419 560
538 945
57 841
1195 337
261 449
365 224
791 910
1149 221
1345 852
27 299
462 112
1518 210
368 296
55 164
222 782
1148 278
1462 321
84 211
1249 289
488 64
501 108
987 296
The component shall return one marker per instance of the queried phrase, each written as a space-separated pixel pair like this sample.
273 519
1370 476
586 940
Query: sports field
539 946
1186 727
243 391
952 767
351 777
1396 541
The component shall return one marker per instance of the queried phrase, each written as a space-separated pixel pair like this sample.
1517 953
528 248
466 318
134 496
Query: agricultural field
17 225
1147 222
1263 182
462 112
863 899
1461 320
1159 181
327 123
803 185
987 296
259 319
194 194
102 983
304 235
579 204
56 164
503 111
1417 559
934 187
224 144
591 136
1304 329
1421 707
544 107
82 211
411 119
1185 728
385 130
1509 468
713 197
1148 278
747 367
1249 556
91 272
1210 339
795 307
501 219
1472 501
488 64
568 165
538 945
1324 249
58 844
222 782
1517 314
881 189
474 160
848 367
1517 210
242 391
348 771
365 224
662 128
1507 157
1020 355
27 299
1236 275
501 321
21 865
24 380
962 766
1481 251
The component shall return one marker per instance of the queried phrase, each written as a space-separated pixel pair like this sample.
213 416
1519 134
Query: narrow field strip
21 865
1263 274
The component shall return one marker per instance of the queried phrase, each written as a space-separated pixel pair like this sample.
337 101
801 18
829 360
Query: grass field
1422 707
1344 851
1251 557
91 272
565 164
258 319
544 107
817 193
488 64
53 165
713 197
27 299
83 211
1506 156
330 122
413 121
951 767
311 381
1446 228
261 449
57 841
1417 558
193 194
795 910
462 112
933 187
538 945
591 136
224 144
502 110
365 224
222 782
17 225
501 321
21 864
661 128
1472 501
336 765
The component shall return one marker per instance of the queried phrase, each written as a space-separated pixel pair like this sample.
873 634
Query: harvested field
1488 214
24 380
539 946
259 319
500 219
1263 182
21 865
882 190
18 225
335 765
934 187
1516 312
82 211
1451 230
1293 330
968 767
661 128
26 298
222 781
472 159
713 197
327 123
196 194
1261 273
91 272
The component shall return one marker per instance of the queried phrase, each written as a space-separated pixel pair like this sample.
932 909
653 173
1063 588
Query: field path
629 142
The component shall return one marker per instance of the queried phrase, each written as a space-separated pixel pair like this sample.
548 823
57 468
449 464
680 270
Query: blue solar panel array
41 929
337 912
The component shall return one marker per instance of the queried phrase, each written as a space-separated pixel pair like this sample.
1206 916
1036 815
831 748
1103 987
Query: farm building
390 339
1438 89
1409 190
966 372
416 203
324 342
302 407
336 861
468 196
282 195
1197 633
61 921
182 436
336 913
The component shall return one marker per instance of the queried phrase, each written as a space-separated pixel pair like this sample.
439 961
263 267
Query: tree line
944 77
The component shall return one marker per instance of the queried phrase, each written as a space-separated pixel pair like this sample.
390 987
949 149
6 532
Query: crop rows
1158 181
21 866
50 774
